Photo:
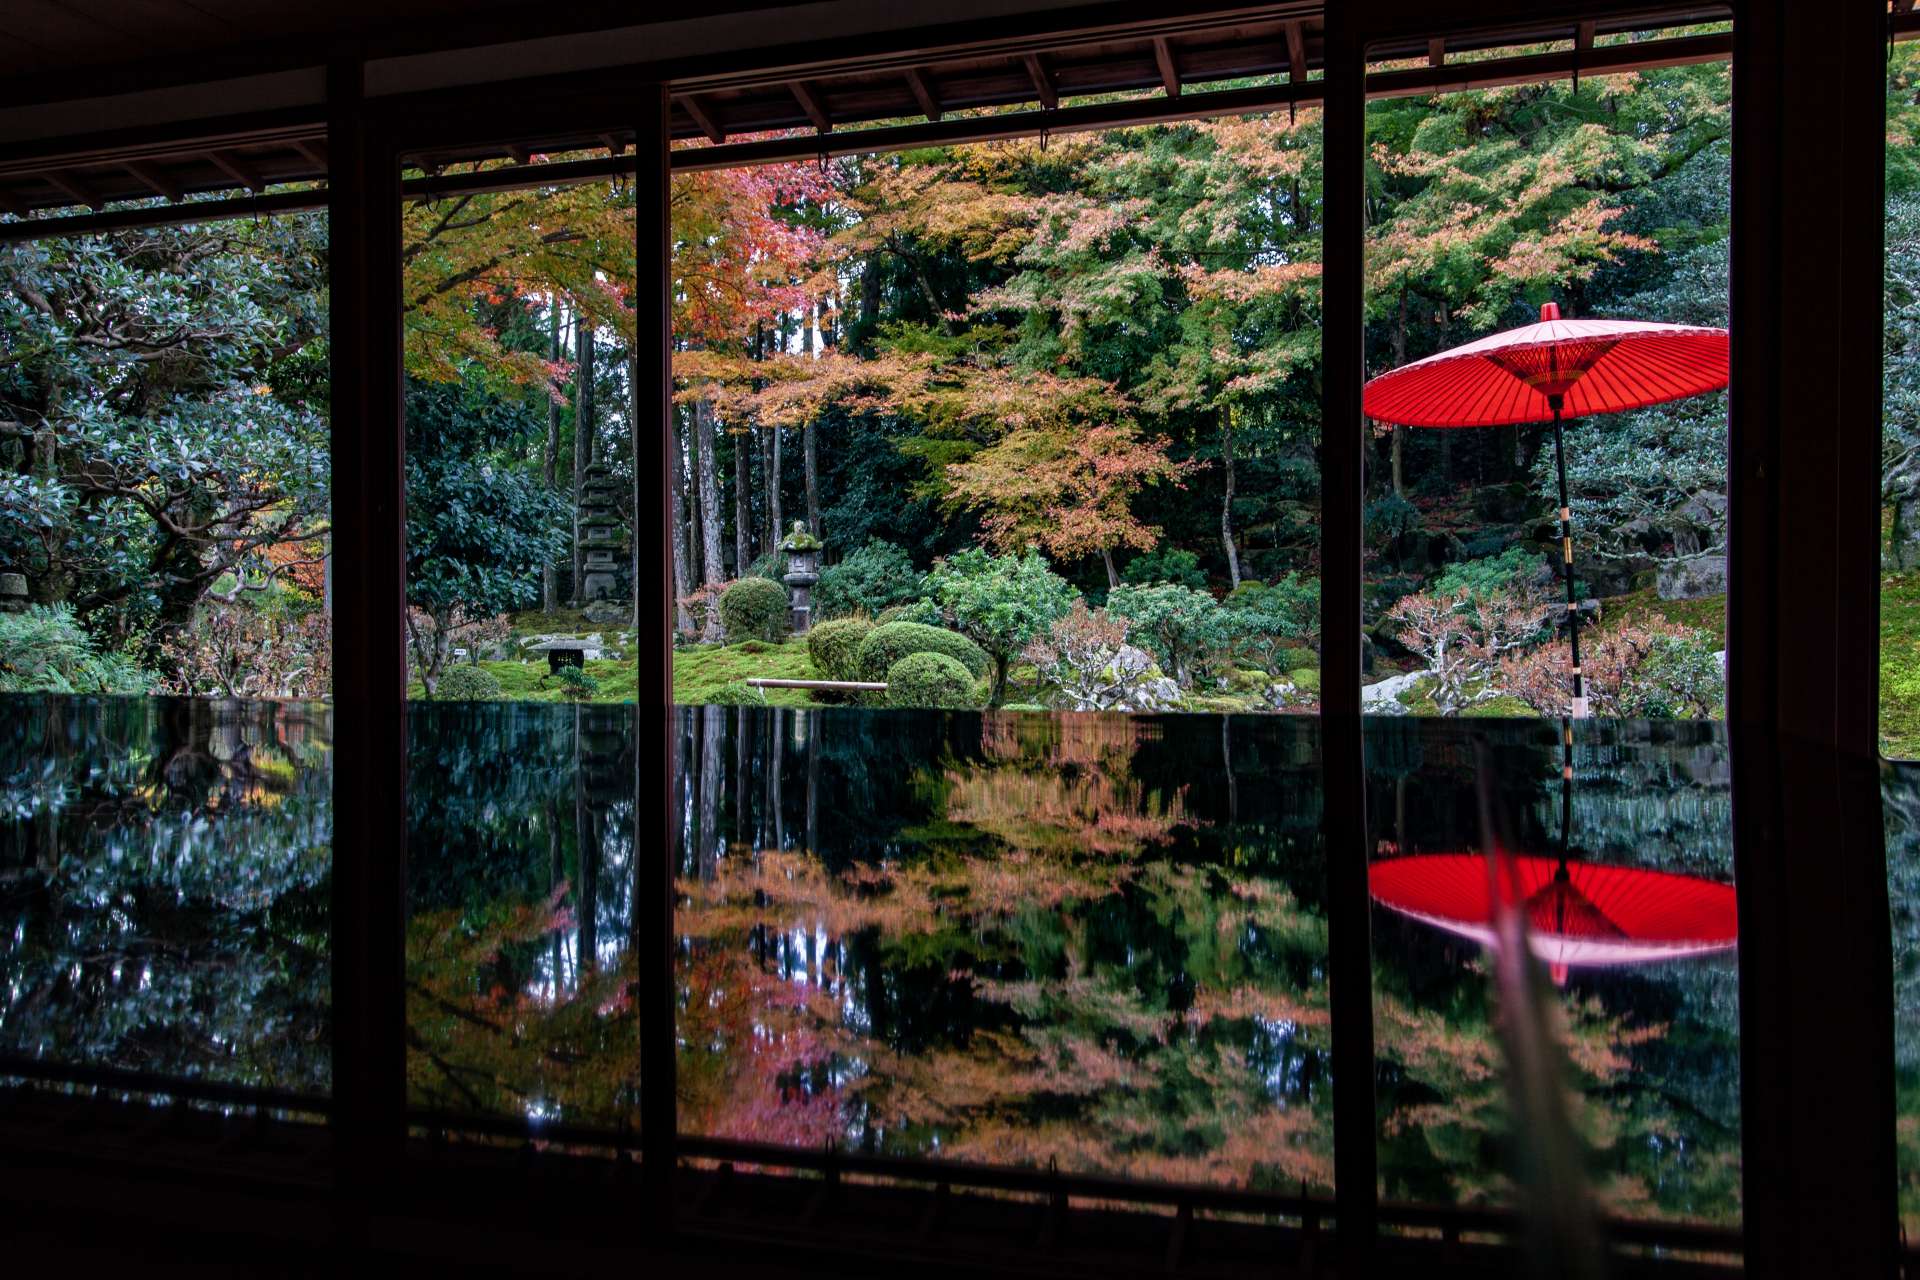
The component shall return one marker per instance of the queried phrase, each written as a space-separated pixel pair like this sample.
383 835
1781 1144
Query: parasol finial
1549 311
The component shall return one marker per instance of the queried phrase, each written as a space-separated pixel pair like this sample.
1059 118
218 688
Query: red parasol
1544 372
1578 913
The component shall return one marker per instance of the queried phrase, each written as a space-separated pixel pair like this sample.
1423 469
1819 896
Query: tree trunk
682 560
810 462
713 570
776 518
1113 575
1226 499
743 478
549 471
582 435
870 291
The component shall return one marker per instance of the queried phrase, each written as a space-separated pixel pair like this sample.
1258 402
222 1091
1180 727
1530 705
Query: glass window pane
165 647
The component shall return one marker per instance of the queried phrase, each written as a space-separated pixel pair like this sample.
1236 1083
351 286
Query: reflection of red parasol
1577 913
1540 372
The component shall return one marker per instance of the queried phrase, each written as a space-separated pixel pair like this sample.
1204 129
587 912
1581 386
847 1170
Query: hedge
467 684
930 680
834 647
888 643
754 609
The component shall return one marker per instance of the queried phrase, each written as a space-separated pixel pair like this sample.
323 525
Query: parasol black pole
1579 709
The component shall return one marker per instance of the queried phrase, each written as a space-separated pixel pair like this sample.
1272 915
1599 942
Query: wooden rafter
151 177
614 146
810 103
8 204
1169 71
76 187
237 169
1436 53
1043 86
518 153
923 93
1583 35
701 113
1296 53
313 149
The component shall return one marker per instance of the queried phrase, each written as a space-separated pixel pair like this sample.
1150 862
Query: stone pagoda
603 541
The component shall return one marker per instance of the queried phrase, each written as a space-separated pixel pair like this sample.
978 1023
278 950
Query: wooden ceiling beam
923 93
518 153
150 177
239 170
810 103
1296 53
701 113
614 146
1436 53
1169 71
314 150
77 188
10 204
1043 86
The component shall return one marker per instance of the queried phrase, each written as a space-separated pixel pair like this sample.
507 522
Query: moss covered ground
1900 665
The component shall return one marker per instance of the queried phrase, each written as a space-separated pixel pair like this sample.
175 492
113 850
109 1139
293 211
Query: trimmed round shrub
753 609
930 680
835 646
467 684
888 643
736 693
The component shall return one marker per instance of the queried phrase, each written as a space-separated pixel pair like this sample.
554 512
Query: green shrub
1002 603
834 647
929 679
1679 679
888 643
1294 659
1265 618
46 650
1482 579
575 684
466 683
1165 564
753 609
922 611
736 693
1186 631
869 580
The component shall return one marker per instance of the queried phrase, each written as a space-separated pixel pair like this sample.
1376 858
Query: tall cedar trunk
1113 575
871 289
776 517
713 570
583 431
682 558
809 461
766 444
550 467
1399 358
1226 498
743 480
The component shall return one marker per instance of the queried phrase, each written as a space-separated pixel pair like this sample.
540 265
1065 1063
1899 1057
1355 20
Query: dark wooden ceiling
1163 58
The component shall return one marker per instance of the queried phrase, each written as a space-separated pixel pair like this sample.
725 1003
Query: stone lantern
13 593
803 570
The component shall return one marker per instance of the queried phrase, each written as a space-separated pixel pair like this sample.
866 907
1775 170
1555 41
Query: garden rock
1383 698
1692 579
605 613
